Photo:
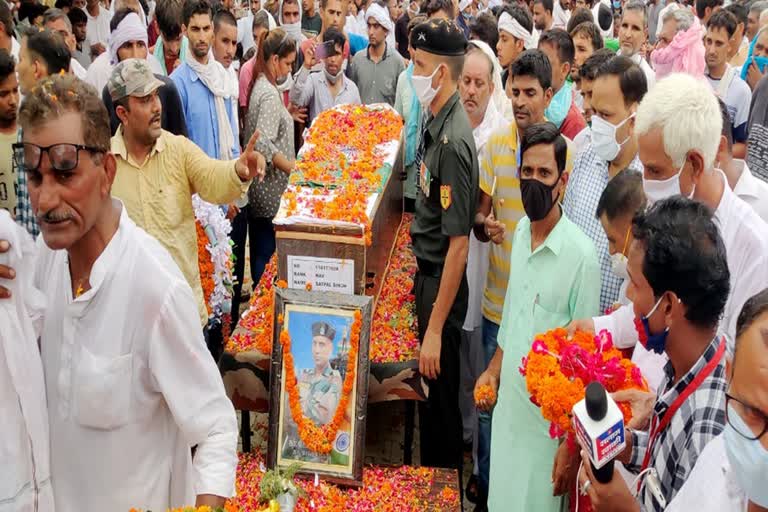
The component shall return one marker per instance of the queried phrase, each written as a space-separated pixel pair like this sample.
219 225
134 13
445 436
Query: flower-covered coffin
339 216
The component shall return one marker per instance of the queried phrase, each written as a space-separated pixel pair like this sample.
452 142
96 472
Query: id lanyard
658 426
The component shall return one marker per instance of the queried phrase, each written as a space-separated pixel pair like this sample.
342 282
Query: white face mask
748 458
422 86
619 261
656 190
333 78
604 137
292 29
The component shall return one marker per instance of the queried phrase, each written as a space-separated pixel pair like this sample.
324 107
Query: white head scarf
509 24
499 97
292 29
380 15
130 29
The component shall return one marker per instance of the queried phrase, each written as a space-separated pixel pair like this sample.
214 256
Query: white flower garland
217 228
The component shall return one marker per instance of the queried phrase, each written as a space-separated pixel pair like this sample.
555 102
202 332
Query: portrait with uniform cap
321 338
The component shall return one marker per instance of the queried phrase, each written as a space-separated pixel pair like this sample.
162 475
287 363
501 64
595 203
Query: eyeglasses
63 157
750 417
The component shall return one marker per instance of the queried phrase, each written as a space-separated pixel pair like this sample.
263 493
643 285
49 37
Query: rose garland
214 256
558 368
319 438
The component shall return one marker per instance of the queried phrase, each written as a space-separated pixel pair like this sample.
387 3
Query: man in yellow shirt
157 172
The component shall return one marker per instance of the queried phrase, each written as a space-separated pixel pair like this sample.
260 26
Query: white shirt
100 70
77 69
737 98
560 16
582 139
97 29
650 74
745 236
479 252
711 486
131 385
15 48
752 190
24 451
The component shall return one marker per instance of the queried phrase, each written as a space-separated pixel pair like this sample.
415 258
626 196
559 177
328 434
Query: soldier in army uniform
319 392
320 387
447 166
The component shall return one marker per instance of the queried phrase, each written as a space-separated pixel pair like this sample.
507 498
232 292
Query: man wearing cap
320 387
447 166
319 394
157 172
376 68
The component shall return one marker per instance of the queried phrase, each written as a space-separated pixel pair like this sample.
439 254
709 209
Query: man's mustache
54 216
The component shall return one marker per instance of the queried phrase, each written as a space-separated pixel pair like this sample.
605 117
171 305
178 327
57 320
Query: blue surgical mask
749 460
655 342
558 108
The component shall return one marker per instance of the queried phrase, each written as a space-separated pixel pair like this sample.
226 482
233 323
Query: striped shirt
585 186
500 160
699 419
24 214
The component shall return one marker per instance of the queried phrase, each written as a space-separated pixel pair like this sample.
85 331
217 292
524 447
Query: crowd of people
591 165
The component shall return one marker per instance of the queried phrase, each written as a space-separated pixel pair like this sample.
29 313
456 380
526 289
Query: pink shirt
246 74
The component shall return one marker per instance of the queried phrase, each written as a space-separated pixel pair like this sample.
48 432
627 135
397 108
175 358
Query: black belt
429 269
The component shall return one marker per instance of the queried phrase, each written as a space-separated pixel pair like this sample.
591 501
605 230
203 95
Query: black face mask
537 198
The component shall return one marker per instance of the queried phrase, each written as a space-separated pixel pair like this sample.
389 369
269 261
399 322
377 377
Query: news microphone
599 425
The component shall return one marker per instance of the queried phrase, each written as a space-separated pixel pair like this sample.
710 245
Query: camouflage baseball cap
132 77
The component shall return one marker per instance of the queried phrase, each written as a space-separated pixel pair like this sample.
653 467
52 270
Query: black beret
440 37
323 329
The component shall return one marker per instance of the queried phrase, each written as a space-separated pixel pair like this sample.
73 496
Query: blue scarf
760 62
414 120
559 106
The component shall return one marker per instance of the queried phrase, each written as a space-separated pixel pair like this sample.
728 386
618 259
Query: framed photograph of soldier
319 383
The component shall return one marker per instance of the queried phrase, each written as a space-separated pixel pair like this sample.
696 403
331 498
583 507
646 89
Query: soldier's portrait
320 341
318 387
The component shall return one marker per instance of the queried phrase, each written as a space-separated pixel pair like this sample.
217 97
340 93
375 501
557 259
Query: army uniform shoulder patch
445 196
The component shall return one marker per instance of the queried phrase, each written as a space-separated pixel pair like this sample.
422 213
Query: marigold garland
319 438
558 367
206 266
256 323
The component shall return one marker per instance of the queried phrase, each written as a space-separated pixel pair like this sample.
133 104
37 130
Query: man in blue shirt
209 100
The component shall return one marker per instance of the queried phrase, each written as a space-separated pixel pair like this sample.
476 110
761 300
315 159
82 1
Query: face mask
604 137
292 29
656 190
654 342
619 261
537 198
749 460
333 78
558 107
422 86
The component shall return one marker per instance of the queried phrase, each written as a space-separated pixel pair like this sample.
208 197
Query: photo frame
321 330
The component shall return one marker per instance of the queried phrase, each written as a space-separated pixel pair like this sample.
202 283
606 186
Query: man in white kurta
25 483
131 387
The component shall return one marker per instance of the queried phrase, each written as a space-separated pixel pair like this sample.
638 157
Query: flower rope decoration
558 368
319 438
214 252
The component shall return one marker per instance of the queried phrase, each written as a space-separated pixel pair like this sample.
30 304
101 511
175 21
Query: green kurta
549 287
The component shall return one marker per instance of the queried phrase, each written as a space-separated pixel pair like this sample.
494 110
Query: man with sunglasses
731 471
122 351
679 283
